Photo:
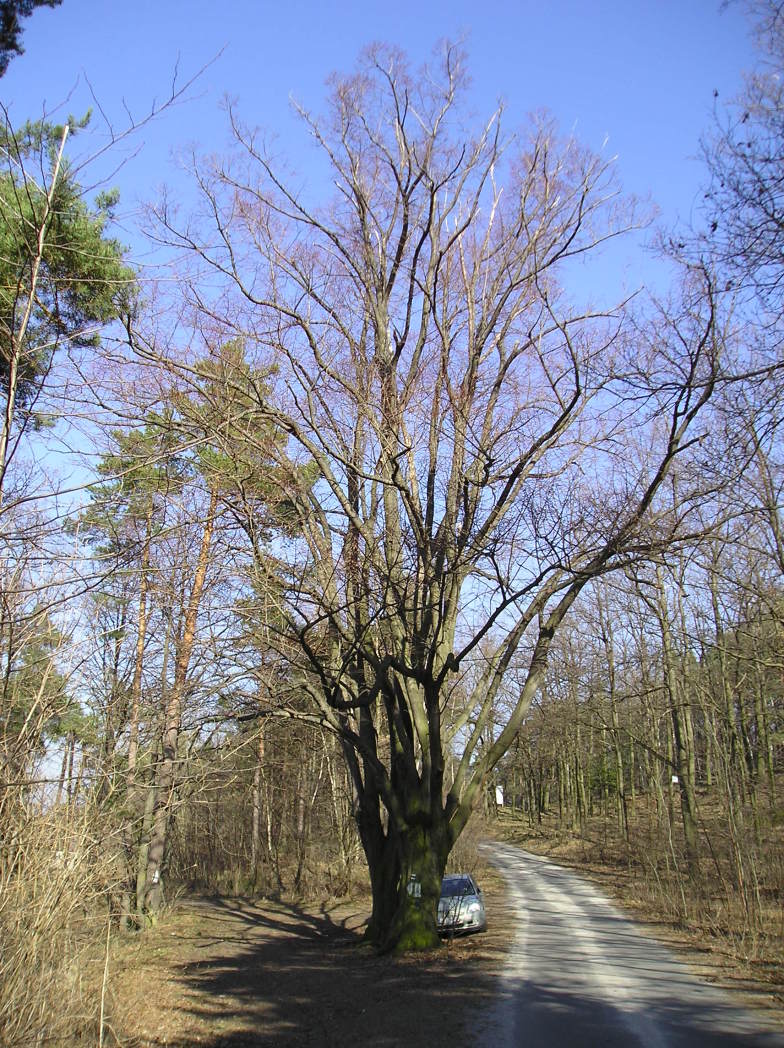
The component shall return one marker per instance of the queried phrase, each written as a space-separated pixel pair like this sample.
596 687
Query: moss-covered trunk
406 864
424 851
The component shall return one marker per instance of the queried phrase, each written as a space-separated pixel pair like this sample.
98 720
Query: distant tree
125 515
217 400
33 692
11 30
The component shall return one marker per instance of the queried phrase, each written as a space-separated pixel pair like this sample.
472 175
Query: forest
364 519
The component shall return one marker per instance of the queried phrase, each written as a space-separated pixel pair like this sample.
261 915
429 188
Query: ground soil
227 973
235 973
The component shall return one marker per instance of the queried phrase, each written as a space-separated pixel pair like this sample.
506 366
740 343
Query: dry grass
55 883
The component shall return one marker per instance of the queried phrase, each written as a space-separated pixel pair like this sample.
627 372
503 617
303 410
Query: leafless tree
465 448
745 197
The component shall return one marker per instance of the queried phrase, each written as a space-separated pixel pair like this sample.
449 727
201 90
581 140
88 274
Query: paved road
580 975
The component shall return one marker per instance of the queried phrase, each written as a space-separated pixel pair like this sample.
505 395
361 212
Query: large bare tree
466 448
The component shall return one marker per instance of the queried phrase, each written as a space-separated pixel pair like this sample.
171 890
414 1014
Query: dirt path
228 973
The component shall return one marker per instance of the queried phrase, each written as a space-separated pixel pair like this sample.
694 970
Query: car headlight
474 907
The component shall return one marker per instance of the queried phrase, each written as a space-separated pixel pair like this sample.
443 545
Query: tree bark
683 756
153 891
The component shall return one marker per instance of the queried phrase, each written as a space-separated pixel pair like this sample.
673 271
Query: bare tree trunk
112 723
579 775
153 894
67 756
141 637
737 765
70 791
683 757
255 833
145 830
609 652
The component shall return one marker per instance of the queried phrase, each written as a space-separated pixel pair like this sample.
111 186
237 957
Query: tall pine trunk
153 891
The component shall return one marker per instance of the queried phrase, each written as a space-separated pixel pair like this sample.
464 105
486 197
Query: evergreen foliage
11 11
81 281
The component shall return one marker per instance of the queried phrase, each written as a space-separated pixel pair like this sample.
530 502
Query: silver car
461 907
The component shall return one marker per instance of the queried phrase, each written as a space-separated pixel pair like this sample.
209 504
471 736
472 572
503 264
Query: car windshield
456 886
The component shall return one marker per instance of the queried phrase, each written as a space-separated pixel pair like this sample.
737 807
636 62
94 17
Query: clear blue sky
641 72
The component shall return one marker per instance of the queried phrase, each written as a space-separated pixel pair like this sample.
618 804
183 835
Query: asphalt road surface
580 974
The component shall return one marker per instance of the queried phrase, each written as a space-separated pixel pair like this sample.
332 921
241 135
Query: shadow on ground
282 976
540 1016
233 974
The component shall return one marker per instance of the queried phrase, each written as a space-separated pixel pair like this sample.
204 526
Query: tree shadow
283 976
279 975
541 1016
